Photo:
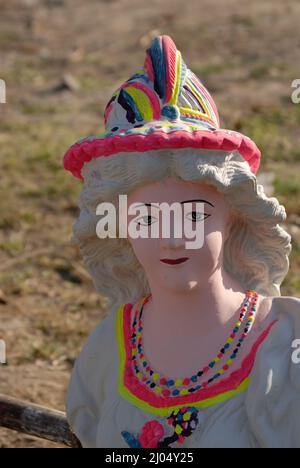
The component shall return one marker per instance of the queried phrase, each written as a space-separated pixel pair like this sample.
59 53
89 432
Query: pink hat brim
85 150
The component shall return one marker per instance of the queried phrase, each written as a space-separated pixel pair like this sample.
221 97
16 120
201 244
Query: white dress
256 406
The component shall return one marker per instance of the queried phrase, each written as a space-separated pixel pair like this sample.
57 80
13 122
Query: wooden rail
37 421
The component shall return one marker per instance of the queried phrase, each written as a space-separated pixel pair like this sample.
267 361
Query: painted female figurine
198 345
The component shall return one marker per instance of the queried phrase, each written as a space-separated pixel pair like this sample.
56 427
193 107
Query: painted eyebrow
203 201
185 201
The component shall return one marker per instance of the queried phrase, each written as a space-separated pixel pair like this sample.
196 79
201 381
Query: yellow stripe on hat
192 112
200 97
142 101
175 93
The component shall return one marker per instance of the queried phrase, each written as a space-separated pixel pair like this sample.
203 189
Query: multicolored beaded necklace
169 387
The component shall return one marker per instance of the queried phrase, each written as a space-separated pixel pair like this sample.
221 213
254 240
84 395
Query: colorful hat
163 105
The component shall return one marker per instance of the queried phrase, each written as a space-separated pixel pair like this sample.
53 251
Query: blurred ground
61 60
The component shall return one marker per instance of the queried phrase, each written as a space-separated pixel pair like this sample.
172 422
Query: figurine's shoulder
284 313
98 349
104 330
278 307
273 397
288 310
287 303
292 303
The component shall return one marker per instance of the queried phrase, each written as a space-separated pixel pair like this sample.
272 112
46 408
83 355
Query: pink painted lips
174 262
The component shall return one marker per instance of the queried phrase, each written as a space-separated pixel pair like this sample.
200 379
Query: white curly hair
256 251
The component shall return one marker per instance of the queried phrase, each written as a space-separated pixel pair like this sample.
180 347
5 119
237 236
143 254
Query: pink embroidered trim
107 112
148 67
151 433
86 150
132 383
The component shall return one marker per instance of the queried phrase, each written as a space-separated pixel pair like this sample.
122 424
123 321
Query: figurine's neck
209 305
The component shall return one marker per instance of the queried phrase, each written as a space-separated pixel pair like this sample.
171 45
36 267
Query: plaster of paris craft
195 350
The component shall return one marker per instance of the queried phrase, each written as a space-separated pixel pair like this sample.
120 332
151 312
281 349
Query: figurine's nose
171 242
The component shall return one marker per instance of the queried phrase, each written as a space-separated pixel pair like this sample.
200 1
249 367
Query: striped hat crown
164 89
162 106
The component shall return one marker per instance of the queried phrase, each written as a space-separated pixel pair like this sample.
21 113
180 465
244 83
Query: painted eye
146 220
197 216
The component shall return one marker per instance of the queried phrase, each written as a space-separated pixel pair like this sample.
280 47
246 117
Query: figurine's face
200 263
